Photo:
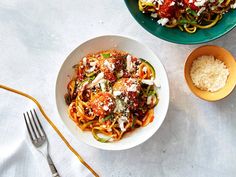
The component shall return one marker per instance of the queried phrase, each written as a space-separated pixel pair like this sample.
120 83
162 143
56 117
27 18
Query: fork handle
52 167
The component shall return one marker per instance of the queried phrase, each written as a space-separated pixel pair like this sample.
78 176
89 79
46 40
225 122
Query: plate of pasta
112 92
185 21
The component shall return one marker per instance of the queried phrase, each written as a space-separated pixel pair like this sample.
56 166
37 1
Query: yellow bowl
221 54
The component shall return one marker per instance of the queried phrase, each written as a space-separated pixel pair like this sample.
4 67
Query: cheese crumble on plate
209 73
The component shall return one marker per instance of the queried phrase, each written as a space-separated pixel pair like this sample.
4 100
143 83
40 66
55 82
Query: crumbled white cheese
110 103
91 69
126 99
119 106
199 3
208 73
233 6
99 77
121 122
102 85
151 81
172 3
160 2
131 80
163 21
93 63
84 61
105 108
148 1
132 88
129 65
190 1
144 69
120 73
147 81
116 93
200 11
109 65
102 81
154 15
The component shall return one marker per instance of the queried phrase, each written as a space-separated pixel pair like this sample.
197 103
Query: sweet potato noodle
112 93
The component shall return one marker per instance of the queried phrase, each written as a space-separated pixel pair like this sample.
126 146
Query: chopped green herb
192 12
133 121
106 55
92 78
107 118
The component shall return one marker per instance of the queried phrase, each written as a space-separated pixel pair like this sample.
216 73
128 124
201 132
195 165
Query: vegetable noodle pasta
112 93
187 15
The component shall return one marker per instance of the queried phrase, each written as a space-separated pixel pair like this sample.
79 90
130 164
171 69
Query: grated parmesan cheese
208 73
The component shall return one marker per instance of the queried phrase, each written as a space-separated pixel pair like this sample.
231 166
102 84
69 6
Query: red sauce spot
167 11
191 5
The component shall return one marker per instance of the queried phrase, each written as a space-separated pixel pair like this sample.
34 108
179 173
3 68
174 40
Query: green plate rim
176 41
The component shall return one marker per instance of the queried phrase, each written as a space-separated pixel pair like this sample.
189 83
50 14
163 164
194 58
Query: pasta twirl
112 93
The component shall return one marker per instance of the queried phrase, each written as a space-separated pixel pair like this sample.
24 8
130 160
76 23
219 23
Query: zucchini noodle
187 15
118 97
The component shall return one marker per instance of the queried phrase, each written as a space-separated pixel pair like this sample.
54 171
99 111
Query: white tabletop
197 138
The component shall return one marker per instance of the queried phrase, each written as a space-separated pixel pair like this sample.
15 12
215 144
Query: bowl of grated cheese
210 72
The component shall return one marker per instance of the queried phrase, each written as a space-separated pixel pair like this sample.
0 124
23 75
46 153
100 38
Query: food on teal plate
111 93
187 15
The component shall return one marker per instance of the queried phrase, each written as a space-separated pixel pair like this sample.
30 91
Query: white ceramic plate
133 47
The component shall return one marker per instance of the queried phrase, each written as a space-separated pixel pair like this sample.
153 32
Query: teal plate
227 23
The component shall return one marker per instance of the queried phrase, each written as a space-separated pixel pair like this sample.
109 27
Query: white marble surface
197 138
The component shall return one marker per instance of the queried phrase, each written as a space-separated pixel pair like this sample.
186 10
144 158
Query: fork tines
34 126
